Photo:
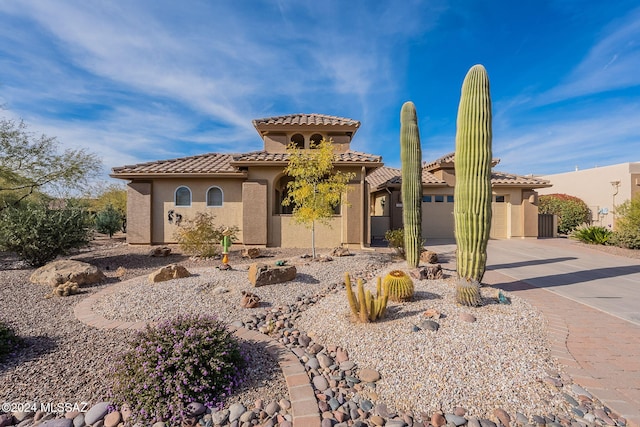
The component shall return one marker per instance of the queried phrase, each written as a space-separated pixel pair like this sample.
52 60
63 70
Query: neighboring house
601 188
246 190
514 205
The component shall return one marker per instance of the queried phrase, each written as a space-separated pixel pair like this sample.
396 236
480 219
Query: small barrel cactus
398 285
365 307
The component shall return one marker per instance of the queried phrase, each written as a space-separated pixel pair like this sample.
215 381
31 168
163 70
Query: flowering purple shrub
182 360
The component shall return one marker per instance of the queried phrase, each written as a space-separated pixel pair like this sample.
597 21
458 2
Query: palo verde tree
316 189
31 164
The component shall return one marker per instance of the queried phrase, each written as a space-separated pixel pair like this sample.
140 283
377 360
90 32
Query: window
439 198
298 140
315 140
449 199
426 199
183 196
214 197
499 199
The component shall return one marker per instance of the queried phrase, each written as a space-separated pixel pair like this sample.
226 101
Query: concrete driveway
605 282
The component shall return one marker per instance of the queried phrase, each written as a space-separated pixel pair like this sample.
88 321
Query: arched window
315 140
298 140
215 197
183 196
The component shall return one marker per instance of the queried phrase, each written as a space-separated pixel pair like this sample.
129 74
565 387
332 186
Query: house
246 190
601 188
514 204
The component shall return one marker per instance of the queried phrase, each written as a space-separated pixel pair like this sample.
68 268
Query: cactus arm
364 318
411 156
353 302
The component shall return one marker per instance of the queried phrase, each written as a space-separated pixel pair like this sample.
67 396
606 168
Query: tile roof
504 178
210 163
449 158
306 119
263 156
386 176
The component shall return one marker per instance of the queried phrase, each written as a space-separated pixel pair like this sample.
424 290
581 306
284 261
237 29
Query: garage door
499 219
437 217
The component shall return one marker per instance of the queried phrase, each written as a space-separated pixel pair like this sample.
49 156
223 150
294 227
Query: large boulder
262 274
429 257
168 272
58 272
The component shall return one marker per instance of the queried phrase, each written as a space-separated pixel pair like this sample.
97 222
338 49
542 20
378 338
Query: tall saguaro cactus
411 156
472 197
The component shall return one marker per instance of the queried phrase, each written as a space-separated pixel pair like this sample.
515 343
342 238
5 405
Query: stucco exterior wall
229 214
595 188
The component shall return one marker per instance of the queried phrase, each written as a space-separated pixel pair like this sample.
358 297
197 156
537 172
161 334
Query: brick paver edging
304 406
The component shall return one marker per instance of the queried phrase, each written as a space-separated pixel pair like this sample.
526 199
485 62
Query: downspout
365 211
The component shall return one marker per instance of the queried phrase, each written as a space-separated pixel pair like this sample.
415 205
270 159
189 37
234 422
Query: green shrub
8 340
571 211
108 221
593 234
38 234
179 361
627 226
200 236
395 238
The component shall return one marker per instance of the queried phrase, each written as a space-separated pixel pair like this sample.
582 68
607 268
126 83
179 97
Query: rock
78 421
580 391
340 252
58 272
58 422
429 257
169 272
249 300
126 412
196 409
473 422
324 360
438 420
369 375
455 419
395 423
502 416
6 420
429 325
235 411
262 274
159 424
432 313
320 383
377 420
347 365
220 417
429 272
160 251
112 419
521 418
272 408
341 355
487 423
188 421
250 253
459 411
219 290
96 412
247 417
467 317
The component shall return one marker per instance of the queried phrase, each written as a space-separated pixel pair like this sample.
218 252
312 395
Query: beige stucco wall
595 188
139 213
229 214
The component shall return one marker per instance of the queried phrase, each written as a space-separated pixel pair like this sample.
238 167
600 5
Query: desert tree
316 189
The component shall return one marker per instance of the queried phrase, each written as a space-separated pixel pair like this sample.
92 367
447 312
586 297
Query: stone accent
340 251
171 271
63 271
262 274
429 257
430 272
160 251
251 253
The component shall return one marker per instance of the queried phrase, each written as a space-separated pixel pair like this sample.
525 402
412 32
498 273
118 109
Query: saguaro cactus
472 197
411 156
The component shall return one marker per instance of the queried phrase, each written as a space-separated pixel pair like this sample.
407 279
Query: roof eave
132 176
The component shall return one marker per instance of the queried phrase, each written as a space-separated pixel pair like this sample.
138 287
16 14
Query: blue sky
142 80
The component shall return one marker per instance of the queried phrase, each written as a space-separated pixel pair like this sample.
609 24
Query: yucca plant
593 234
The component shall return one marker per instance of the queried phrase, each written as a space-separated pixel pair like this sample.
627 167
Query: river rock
369 375
97 412
235 411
